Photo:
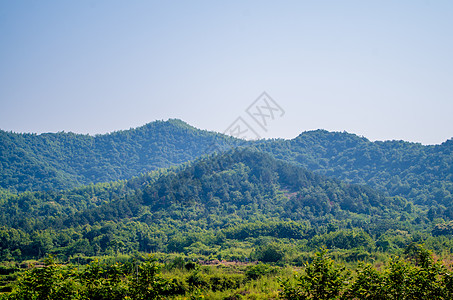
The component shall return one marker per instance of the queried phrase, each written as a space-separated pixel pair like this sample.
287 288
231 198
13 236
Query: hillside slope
239 194
65 160
421 173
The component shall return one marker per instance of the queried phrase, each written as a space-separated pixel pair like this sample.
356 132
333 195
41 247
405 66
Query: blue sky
381 69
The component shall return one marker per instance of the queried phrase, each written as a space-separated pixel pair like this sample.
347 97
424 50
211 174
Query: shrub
256 271
269 253
322 279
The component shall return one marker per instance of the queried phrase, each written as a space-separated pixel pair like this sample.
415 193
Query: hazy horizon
165 120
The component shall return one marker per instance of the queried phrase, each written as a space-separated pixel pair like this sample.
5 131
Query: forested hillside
228 195
189 195
31 162
421 173
65 160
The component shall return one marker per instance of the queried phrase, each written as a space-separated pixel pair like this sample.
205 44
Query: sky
379 69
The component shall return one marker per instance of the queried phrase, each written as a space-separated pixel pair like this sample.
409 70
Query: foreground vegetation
416 275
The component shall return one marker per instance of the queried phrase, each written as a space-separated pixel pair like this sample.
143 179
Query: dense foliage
421 173
31 162
416 275
200 208
419 277
154 189
61 160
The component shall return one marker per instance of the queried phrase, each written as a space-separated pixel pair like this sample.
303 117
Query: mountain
222 184
238 194
30 162
79 198
423 174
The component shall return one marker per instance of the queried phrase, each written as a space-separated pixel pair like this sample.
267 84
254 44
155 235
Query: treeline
283 242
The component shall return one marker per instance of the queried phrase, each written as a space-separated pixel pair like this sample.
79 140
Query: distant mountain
420 173
65 160
423 174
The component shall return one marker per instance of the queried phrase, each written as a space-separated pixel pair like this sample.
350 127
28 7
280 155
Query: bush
256 271
269 253
322 279
223 282
198 280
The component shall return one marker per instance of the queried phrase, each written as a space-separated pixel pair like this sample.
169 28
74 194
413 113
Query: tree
148 283
322 279
50 282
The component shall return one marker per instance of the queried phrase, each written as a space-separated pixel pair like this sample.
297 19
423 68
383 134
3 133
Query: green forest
168 211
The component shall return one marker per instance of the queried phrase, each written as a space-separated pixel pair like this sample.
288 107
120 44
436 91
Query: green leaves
148 283
321 279
419 277
48 282
95 281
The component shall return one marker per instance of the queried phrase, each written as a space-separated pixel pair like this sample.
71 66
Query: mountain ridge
64 160
49 161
